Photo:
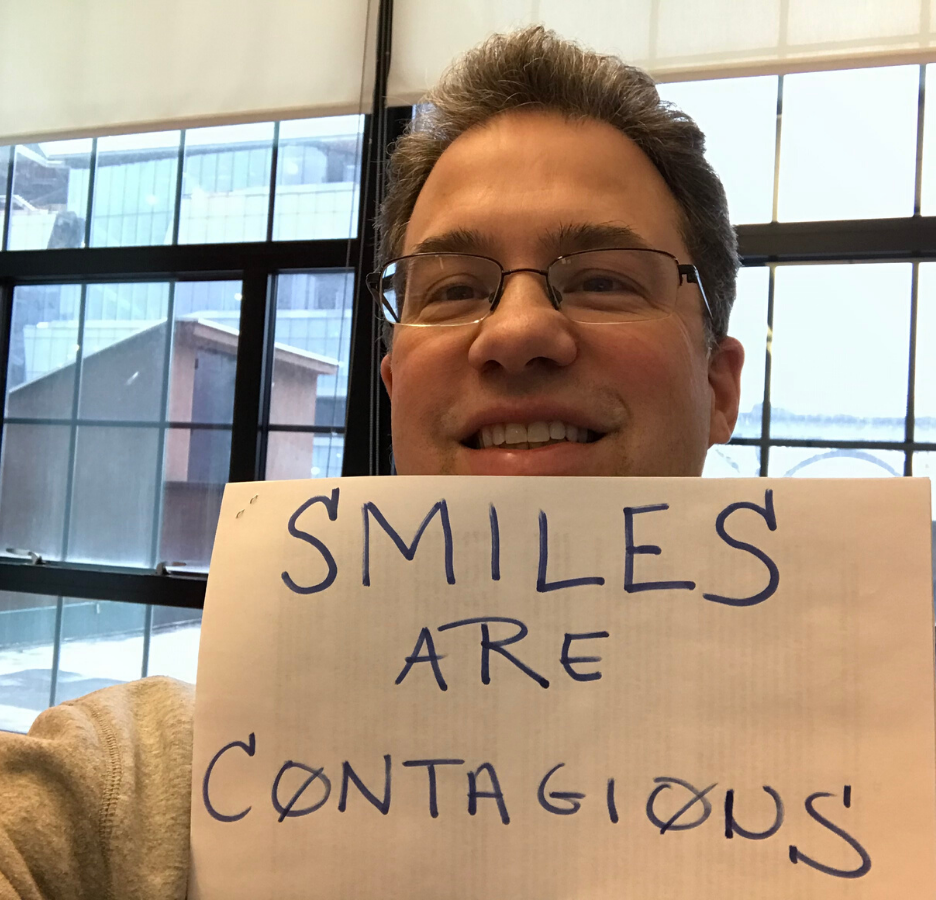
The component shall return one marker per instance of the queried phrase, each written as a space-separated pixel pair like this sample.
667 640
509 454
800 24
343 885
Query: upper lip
528 413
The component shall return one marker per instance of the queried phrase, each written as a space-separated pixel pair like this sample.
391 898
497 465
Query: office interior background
183 306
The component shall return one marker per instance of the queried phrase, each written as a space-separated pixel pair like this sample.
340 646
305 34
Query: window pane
4 172
313 345
740 147
840 351
318 171
113 495
821 462
50 184
226 184
43 344
129 483
924 392
33 488
195 471
848 144
27 632
310 372
928 197
749 325
204 352
102 645
123 357
924 466
134 189
297 454
174 643
732 461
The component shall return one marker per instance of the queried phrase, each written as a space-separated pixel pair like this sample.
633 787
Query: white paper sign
569 688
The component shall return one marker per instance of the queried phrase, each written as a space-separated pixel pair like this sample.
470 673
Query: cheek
423 378
658 367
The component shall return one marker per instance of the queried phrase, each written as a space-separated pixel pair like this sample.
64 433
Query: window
131 398
200 329
838 318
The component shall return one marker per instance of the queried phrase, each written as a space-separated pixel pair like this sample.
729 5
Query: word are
693 806
425 651
632 549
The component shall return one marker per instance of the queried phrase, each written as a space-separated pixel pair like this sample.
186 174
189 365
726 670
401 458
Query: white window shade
673 39
106 66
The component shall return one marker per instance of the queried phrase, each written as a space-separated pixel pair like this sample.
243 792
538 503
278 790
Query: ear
724 375
386 374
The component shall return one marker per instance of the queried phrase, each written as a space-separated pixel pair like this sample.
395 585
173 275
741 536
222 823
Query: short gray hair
534 69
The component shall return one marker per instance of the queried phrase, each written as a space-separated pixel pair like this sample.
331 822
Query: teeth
516 434
536 434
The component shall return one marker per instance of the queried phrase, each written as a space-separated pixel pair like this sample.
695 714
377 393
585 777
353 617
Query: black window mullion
92 169
6 329
359 452
56 649
101 583
8 200
73 436
367 444
911 371
768 366
249 381
163 427
918 176
177 198
147 638
274 163
206 261
778 134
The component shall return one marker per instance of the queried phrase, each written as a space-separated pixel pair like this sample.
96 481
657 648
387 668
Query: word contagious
692 805
371 513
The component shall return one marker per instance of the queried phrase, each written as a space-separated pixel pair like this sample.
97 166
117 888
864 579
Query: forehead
517 181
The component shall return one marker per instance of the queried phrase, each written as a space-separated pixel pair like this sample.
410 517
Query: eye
454 291
601 283
459 292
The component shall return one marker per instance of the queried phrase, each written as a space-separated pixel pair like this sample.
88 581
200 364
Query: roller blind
673 39
85 67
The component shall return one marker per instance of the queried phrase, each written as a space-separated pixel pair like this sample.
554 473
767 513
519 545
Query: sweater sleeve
95 800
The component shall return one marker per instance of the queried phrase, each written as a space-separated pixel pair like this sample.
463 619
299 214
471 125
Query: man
558 258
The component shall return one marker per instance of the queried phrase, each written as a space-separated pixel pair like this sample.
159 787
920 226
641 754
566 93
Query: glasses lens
616 285
440 288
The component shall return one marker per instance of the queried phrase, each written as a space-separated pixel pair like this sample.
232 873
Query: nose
525 331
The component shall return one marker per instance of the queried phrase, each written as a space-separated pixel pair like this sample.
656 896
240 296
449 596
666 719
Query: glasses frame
687 272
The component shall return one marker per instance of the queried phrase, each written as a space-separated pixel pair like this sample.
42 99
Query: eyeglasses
593 287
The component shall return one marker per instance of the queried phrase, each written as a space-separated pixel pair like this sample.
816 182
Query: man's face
523 189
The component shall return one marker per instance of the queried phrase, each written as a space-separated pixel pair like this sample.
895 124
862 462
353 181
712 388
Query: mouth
531 436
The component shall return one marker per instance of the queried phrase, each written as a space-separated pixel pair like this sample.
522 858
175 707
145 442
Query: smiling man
557 273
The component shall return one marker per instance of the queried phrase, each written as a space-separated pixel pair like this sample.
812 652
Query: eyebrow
571 238
567 238
458 240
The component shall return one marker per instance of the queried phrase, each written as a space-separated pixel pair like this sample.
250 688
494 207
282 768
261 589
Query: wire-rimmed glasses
607 286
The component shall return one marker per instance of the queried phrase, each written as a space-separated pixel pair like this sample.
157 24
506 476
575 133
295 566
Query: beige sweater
94 801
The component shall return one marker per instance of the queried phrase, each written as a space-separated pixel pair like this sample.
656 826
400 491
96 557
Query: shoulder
99 790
